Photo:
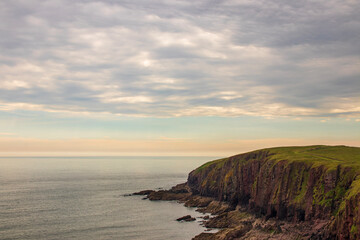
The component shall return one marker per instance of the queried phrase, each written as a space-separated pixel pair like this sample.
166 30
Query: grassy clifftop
329 156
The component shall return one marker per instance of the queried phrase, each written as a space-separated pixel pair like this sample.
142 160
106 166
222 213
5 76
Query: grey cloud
181 54
174 52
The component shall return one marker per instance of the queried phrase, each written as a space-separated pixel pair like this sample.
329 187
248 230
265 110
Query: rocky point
310 192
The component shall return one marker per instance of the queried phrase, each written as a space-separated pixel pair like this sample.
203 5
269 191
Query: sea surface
83 198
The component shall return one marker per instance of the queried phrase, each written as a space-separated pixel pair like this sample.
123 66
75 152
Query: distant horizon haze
162 150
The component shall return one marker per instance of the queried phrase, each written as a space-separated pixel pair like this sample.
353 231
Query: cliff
297 184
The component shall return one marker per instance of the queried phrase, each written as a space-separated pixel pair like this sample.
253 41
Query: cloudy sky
177 76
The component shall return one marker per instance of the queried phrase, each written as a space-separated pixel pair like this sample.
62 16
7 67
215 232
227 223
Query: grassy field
328 156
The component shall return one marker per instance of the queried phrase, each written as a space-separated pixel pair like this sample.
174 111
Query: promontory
310 192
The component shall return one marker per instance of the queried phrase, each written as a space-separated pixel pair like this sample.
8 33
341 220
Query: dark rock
180 192
278 229
228 220
216 207
180 188
167 195
198 201
186 218
144 192
238 232
273 227
204 236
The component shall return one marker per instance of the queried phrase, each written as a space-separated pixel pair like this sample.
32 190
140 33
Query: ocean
83 198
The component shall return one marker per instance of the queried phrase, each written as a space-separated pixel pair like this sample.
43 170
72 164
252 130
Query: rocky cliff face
287 187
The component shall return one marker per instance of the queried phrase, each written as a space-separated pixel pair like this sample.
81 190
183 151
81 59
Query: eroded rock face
289 190
348 221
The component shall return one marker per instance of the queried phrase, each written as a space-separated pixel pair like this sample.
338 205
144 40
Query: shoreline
236 222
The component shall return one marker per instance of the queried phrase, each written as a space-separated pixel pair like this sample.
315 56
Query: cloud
181 58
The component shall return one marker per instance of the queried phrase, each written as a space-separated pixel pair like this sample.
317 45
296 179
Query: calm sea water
82 198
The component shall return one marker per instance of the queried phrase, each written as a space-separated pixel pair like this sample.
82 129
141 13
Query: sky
177 77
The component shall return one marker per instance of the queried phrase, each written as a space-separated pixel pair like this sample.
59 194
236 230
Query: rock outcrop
293 184
308 192
186 218
180 192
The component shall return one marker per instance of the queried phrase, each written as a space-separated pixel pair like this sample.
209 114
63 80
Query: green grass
318 155
300 196
327 156
353 229
219 163
355 187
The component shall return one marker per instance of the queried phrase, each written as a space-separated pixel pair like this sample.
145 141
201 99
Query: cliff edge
297 184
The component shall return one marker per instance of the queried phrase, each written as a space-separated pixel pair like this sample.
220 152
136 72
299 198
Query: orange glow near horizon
156 147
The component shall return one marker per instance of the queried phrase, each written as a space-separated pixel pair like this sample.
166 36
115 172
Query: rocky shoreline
309 192
236 222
